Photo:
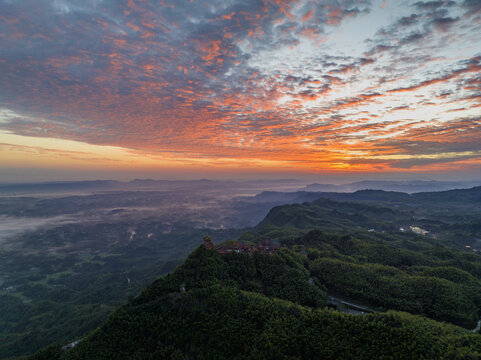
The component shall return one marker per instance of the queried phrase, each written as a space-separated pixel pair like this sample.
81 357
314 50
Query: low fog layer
169 205
10 225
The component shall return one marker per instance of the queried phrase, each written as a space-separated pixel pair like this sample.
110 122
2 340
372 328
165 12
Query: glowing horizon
293 87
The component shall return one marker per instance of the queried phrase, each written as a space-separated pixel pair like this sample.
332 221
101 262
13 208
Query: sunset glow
318 87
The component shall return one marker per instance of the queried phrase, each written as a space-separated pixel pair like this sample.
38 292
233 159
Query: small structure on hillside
418 230
208 242
71 345
264 246
268 246
237 247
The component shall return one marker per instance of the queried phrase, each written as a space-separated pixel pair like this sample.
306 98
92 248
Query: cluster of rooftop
265 246
418 230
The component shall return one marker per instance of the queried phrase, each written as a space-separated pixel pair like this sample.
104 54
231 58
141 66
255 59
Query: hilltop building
237 247
267 245
264 246
208 242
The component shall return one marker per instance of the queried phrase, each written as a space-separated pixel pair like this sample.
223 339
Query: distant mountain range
145 184
408 186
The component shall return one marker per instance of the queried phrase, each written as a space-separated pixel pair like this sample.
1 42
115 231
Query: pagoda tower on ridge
208 242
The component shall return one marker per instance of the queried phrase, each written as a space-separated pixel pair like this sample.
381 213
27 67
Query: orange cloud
307 16
209 51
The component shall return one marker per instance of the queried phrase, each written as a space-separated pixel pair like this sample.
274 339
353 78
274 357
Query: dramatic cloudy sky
252 86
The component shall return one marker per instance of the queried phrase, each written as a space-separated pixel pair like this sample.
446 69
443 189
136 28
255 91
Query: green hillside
216 318
451 217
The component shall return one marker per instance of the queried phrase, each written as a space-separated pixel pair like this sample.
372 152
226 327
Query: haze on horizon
345 89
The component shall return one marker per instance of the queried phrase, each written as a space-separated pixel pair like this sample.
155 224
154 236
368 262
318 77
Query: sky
240 88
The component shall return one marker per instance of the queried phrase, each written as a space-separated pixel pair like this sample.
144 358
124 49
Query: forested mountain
346 283
449 216
231 308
